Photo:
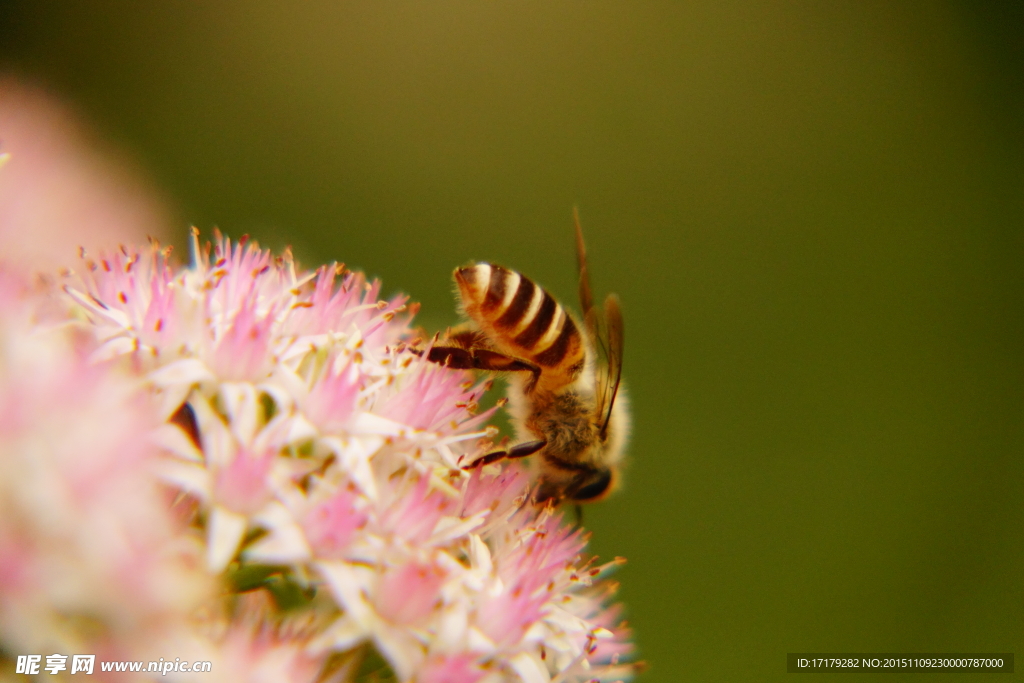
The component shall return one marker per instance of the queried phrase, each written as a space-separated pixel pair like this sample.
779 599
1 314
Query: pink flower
314 460
242 352
332 400
331 526
58 192
242 486
86 534
254 647
409 594
415 512
454 669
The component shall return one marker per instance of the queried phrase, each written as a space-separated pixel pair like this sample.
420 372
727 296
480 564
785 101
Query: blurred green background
813 214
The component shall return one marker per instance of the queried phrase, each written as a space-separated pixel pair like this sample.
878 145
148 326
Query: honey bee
565 383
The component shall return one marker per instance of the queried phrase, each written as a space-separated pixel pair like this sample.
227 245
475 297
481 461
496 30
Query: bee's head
593 486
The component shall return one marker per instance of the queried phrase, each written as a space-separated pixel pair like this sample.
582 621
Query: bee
565 391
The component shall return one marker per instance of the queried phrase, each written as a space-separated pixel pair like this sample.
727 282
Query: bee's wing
586 298
608 380
605 333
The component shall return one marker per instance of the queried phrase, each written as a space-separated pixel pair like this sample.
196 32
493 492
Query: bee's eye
594 488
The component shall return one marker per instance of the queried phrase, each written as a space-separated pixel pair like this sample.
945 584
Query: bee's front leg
519 451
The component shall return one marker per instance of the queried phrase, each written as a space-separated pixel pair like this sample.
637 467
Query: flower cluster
250 464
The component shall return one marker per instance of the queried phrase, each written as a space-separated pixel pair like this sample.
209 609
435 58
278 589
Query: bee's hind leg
482 359
519 451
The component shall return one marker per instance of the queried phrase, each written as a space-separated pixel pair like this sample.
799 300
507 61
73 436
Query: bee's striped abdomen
522 320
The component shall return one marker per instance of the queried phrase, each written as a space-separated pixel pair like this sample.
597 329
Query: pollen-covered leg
467 336
520 451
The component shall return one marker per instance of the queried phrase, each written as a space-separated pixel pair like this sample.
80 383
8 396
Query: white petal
219 445
402 650
368 423
290 356
171 398
342 635
477 641
112 315
226 531
243 409
565 620
188 476
451 629
300 429
284 543
530 668
349 586
450 528
555 640
480 555
171 438
354 459
447 456
187 371
113 348
354 339
274 434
